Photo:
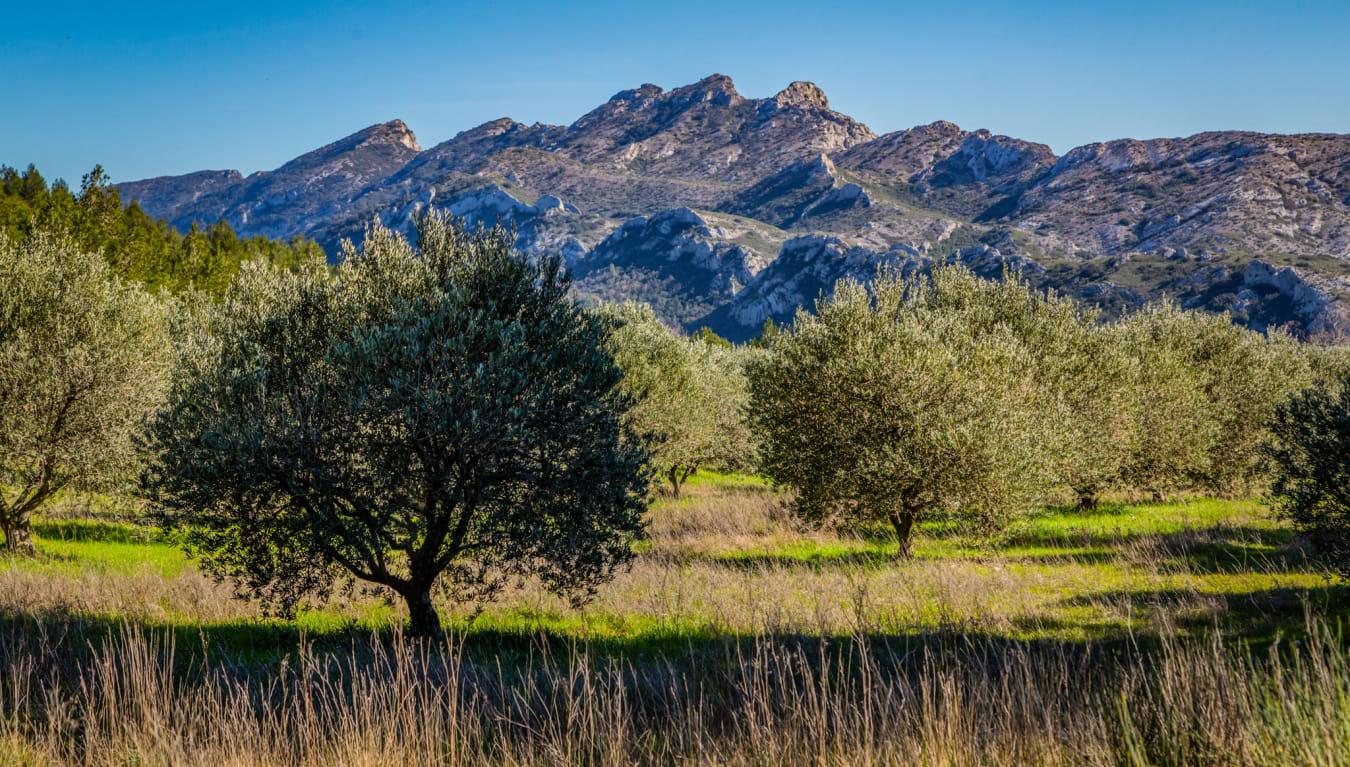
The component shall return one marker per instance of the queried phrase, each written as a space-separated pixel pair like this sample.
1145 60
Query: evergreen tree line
136 246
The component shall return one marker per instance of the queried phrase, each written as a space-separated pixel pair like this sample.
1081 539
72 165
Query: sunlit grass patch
728 559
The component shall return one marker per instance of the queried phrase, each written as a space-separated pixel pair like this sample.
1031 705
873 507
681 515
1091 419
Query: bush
446 410
1309 450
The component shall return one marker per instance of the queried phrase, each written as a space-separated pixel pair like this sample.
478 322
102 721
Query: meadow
1195 631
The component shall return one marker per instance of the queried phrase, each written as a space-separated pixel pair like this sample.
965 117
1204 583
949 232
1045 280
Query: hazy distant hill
724 210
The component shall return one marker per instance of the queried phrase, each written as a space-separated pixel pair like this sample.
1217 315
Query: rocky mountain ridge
725 211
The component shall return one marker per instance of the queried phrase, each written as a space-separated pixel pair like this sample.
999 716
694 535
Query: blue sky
149 89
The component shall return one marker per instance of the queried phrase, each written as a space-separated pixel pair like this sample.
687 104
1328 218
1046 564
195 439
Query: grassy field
736 637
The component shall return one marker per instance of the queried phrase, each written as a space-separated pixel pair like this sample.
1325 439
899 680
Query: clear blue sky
148 89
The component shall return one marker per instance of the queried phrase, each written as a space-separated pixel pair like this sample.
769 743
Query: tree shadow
97 531
1115 537
1257 615
62 642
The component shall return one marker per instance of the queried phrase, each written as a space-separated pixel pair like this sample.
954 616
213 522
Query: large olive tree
83 361
438 416
882 407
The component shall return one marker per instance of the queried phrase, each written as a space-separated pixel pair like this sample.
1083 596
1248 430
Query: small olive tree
882 407
1309 450
442 416
83 362
690 395
721 371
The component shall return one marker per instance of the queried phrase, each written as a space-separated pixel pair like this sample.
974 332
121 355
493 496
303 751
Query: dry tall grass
766 702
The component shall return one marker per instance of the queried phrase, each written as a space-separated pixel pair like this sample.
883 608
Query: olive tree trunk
903 522
677 477
1087 499
423 620
18 537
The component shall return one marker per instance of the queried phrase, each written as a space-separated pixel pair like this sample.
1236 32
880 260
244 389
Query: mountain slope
726 210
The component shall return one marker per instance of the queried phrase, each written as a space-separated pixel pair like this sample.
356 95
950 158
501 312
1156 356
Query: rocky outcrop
707 131
681 261
170 197
807 268
1314 301
279 203
1239 194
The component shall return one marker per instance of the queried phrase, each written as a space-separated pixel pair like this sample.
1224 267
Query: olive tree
880 407
1080 373
83 362
1247 375
721 371
1309 450
1203 393
690 395
433 417
1171 433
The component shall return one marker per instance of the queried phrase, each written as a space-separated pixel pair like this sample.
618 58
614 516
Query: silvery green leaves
690 396
951 395
84 358
892 403
420 411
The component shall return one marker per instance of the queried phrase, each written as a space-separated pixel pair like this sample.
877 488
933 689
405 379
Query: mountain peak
715 88
802 94
394 131
644 91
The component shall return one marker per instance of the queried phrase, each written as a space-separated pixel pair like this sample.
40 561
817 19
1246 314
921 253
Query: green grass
58 554
1065 575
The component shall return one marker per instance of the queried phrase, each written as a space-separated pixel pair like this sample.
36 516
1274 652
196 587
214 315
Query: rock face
726 210
682 262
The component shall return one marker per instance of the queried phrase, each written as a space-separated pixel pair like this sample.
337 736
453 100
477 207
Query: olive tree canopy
882 407
690 395
1309 449
438 416
83 362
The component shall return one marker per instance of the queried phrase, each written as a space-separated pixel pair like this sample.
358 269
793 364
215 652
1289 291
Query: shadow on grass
815 560
1223 550
1203 552
64 641
1257 616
